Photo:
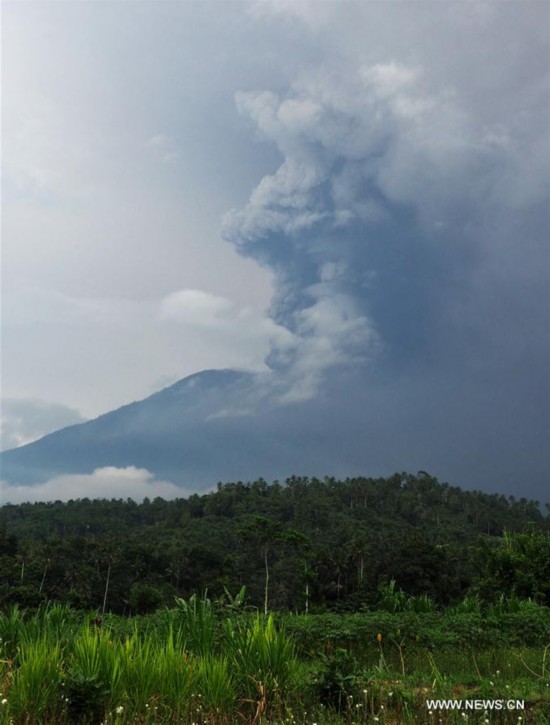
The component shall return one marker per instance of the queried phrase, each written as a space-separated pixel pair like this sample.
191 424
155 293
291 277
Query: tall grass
264 660
198 623
141 674
35 695
396 600
178 676
193 666
12 625
93 670
217 689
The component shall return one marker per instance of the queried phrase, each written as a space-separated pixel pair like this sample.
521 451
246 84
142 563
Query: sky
322 192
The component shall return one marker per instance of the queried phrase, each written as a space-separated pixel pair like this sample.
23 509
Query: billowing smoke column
405 229
374 207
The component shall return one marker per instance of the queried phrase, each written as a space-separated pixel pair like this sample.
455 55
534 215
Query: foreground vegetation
366 601
214 662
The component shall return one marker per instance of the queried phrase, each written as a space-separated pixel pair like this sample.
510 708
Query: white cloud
109 482
196 307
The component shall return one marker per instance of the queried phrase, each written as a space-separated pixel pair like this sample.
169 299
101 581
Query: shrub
336 681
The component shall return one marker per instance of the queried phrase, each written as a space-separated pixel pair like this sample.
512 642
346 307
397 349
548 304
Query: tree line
306 545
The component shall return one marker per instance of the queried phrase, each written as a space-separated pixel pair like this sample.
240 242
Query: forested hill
336 542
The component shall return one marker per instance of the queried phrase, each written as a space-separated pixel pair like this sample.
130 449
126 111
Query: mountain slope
224 425
158 433
194 433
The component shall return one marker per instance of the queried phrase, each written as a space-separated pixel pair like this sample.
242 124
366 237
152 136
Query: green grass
35 694
197 665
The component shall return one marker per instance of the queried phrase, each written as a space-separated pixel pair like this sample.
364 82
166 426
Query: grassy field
199 664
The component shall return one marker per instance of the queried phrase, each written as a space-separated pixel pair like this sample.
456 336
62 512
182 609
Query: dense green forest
307 545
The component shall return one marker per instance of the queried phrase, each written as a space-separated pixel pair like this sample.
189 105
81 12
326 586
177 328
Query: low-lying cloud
109 482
